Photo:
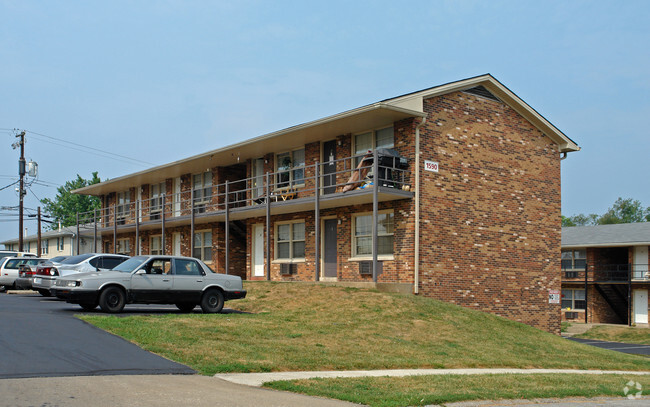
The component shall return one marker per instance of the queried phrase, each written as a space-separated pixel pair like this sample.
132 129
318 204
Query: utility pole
38 240
21 190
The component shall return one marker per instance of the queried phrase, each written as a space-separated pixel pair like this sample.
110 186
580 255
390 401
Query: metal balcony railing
608 272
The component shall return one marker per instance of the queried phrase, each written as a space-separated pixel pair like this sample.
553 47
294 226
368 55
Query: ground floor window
203 246
123 247
573 299
45 246
156 245
290 241
362 238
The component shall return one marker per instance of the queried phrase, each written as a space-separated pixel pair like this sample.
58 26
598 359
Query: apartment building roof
623 234
382 113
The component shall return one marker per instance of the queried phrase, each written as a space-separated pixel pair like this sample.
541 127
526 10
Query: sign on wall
431 166
553 296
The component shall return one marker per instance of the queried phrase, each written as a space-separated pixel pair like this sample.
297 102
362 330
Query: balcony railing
334 178
608 272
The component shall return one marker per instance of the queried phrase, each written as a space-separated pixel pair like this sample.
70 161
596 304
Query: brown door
329 248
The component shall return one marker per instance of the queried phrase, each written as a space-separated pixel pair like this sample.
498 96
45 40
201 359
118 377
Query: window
369 141
186 268
123 246
202 188
156 245
362 242
202 246
45 246
107 247
60 242
106 262
573 299
290 167
574 259
290 241
122 209
157 191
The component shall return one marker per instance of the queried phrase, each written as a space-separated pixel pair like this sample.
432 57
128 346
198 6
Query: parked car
183 281
9 269
11 253
46 274
26 272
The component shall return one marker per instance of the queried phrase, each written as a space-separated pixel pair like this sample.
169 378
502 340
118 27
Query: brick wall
490 231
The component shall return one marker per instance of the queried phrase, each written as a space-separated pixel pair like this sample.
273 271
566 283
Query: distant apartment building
60 242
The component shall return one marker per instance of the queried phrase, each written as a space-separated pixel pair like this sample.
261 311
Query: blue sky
163 80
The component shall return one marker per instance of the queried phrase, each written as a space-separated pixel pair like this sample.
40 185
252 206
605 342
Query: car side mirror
141 272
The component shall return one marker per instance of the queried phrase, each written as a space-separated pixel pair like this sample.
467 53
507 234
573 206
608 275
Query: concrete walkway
257 379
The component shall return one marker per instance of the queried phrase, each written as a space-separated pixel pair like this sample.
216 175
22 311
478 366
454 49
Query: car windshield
130 264
77 259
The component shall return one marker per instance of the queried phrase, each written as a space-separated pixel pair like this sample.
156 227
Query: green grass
424 390
304 326
618 334
564 326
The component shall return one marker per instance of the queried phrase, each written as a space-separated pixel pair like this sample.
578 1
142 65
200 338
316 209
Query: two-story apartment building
452 192
605 273
65 241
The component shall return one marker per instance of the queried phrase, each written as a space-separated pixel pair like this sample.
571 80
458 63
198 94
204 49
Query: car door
189 281
152 282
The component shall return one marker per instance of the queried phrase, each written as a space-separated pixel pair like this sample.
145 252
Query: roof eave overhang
618 244
352 121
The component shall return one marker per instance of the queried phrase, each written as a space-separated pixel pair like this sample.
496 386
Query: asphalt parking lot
40 337
616 346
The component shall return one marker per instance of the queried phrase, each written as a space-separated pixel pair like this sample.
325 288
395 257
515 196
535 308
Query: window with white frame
202 188
363 143
290 168
45 246
575 259
122 209
157 191
124 246
155 245
203 246
573 299
290 240
362 237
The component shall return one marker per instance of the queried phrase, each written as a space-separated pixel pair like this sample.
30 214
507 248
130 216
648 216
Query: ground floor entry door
640 306
329 248
177 244
258 250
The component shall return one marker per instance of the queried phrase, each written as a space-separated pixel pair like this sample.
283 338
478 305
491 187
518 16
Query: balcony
337 183
608 273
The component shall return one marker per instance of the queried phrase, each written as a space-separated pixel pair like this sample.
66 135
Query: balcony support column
629 296
375 213
94 231
78 238
192 223
317 222
162 222
137 227
227 227
268 228
586 293
114 231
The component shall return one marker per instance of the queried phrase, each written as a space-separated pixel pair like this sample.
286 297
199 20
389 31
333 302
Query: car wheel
185 306
112 300
88 306
212 301
2 288
44 293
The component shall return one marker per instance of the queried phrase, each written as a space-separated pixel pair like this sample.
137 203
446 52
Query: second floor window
290 167
574 259
202 188
371 140
157 191
123 200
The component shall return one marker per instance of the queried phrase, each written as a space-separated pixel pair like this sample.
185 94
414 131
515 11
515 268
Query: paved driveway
40 337
617 346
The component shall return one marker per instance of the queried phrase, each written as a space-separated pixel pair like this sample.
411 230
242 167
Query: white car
46 274
183 281
9 269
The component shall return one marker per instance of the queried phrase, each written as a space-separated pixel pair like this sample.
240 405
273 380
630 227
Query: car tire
185 306
88 306
2 288
112 300
44 293
212 301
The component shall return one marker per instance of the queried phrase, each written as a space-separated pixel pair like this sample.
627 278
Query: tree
623 211
66 205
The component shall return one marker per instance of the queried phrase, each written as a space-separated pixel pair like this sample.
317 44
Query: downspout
416 280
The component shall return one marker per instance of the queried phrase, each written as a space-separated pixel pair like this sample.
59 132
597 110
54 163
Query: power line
13 183
139 161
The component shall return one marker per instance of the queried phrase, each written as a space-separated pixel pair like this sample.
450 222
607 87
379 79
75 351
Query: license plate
38 280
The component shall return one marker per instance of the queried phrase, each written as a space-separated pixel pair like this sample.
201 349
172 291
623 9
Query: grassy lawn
305 326
618 334
423 390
